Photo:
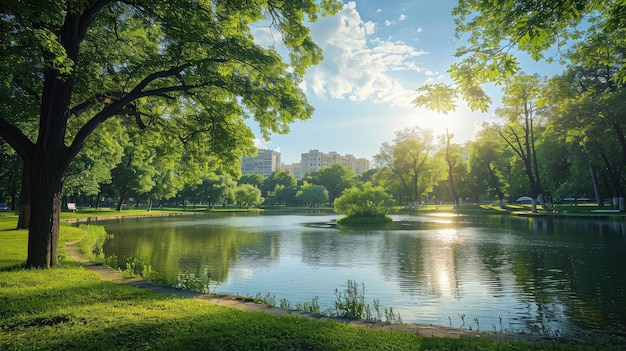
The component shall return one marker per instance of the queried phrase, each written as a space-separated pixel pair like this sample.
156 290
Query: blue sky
376 54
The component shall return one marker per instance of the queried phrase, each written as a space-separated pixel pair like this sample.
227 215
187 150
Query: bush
371 201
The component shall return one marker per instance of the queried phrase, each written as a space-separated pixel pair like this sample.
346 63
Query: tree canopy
494 33
192 68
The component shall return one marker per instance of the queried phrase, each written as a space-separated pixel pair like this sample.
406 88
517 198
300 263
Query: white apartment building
265 162
294 169
314 160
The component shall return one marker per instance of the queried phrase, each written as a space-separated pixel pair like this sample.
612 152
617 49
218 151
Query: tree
285 179
92 166
282 195
367 176
217 187
134 174
312 194
335 179
255 179
10 172
247 195
370 201
521 111
588 103
497 30
489 162
190 65
409 159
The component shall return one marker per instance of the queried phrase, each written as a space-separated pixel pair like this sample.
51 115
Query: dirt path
109 274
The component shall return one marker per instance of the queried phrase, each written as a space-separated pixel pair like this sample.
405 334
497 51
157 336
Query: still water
557 277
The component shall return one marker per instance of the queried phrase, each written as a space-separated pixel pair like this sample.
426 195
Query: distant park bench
71 206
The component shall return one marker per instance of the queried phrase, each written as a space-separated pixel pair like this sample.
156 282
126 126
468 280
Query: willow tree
79 63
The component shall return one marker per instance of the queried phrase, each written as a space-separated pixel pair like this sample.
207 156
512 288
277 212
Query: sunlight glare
447 235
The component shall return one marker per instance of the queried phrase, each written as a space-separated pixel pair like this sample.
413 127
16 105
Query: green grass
71 308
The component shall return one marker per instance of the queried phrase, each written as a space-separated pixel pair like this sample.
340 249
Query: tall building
314 160
265 162
294 169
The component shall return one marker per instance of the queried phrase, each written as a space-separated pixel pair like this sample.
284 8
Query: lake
556 277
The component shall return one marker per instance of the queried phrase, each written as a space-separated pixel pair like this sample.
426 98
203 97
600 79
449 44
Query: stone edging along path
107 273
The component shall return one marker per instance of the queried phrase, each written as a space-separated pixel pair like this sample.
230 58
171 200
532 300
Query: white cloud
402 17
389 23
356 68
419 30
369 27
379 10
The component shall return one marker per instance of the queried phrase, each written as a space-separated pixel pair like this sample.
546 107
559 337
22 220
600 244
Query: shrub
371 201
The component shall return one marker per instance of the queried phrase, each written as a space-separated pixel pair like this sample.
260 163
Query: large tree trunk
48 159
43 236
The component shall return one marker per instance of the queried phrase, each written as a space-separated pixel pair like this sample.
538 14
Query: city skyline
268 161
376 54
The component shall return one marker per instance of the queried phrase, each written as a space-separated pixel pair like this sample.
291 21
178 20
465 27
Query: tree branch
18 141
117 107
88 16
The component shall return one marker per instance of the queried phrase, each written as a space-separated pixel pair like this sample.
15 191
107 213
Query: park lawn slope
71 308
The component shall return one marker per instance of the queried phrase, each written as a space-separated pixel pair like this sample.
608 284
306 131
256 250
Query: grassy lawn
71 308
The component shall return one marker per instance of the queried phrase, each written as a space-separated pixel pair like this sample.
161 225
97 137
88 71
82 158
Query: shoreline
110 274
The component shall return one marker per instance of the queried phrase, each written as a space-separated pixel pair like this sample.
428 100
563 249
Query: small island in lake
367 205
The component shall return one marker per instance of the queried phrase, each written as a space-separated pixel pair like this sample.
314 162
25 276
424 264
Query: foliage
312 194
92 166
10 172
497 31
335 179
278 178
279 188
91 244
255 179
191 71
247 195
371 201
194 282
350 303
138 267
489 161
312 306
217 188
408 161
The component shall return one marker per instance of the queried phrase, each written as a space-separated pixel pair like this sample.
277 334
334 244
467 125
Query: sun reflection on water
448 235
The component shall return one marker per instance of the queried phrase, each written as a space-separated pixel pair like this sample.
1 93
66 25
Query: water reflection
541 275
